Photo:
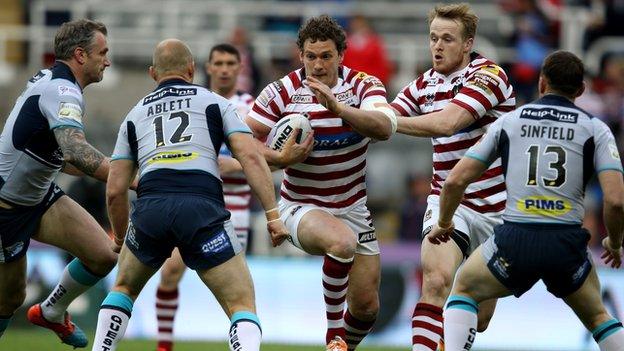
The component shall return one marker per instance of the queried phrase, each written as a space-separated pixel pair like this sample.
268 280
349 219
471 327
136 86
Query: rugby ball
285 127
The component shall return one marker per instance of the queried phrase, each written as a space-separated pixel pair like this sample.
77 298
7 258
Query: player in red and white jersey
223 67
456 101
323 196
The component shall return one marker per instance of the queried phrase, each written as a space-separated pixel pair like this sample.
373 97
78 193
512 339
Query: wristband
271 210
274 220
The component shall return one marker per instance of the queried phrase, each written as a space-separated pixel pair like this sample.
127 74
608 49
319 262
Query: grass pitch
41 340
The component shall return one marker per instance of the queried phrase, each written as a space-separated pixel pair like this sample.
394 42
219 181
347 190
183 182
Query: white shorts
477 226
240 220
358 219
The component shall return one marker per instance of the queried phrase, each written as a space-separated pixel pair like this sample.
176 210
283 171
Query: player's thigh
12 285
363 291
439 263
586 302
231 284
476 280
172 270
132 274
69 226
319 231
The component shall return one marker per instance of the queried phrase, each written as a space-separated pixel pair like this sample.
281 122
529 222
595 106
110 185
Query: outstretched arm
465 172
259 178
122 172
79 153
376 123
613 214
445 122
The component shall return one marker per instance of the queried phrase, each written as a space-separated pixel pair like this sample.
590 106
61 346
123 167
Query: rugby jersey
333 175
174 135
549 149
30 157
483 89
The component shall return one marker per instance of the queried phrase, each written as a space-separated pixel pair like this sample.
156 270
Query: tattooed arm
79 153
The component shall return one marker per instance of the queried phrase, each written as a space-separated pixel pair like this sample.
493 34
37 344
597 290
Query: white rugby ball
285 127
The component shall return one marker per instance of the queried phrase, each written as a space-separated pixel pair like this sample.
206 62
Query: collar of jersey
62 70
172 81
554 99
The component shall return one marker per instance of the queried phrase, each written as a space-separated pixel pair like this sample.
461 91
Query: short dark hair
564 72
322 28
223 47
78 33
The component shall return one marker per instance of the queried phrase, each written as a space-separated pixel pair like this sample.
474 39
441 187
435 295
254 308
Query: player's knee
343 247
437 283
171 274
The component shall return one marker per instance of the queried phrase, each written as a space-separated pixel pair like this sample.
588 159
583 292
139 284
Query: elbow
114 193
454 182
447 130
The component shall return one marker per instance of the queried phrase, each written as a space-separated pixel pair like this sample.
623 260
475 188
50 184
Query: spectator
414 207
366 51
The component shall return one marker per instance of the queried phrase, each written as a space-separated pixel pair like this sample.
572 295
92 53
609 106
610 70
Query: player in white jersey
549 149
455 102
42 136
223 67
172 139
323 195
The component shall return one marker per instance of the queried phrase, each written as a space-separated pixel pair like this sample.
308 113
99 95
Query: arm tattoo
77 151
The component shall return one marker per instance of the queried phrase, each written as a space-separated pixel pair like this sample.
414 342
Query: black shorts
521 254
199 227
19 223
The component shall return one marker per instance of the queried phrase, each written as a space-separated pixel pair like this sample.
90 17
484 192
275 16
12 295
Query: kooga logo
281 138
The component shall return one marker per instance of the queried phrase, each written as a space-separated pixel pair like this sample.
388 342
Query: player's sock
76 279
355 329
335 282
245 332
4 323
426 327
112 321
609 336
166 308
460 323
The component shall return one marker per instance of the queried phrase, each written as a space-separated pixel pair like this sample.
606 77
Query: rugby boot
68 332
337 345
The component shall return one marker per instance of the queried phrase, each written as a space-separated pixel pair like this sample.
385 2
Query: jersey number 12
177 136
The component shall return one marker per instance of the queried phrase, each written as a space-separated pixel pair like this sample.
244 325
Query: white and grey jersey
30 157
176 131
550 149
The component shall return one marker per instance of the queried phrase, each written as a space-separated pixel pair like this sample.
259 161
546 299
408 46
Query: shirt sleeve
232 122
122 149
371 91
606 155
62 105
484 89
405 102
268 106
486 149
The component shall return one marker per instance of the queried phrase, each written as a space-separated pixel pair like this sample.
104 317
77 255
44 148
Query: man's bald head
172 58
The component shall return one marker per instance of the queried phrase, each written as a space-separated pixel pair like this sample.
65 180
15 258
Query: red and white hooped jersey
483 89
333 176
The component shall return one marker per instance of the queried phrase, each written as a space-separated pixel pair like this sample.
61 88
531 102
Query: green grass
41 340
